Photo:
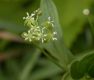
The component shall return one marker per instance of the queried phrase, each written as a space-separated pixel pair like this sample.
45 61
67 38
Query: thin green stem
54 60
66 74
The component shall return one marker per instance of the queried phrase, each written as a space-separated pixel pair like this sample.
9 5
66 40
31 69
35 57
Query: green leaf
83 67
75 71
86 62
91 71
56 48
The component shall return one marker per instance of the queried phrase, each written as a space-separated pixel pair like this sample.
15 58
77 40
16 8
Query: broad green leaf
75 71
91 70
86 62
56 48
83 67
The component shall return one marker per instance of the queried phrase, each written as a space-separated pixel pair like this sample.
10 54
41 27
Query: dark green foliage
91 70
76 73
83 67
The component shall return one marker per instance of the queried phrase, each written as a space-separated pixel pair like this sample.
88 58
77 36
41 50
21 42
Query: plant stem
54 60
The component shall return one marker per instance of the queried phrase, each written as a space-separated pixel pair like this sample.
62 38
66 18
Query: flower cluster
38 33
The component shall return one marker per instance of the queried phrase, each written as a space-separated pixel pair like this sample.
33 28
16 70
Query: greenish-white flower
38 33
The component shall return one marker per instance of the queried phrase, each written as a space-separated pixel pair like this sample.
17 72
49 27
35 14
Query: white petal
27 13
54 32
32 14
49 18
54 38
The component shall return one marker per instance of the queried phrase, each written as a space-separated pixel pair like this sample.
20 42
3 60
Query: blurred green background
22 61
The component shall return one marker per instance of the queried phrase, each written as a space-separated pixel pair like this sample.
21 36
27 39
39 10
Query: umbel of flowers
38 33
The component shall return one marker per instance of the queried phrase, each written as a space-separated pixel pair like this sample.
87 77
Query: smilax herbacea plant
38 32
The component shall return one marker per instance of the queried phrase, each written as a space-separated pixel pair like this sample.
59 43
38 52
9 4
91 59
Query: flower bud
86 12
